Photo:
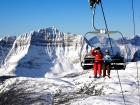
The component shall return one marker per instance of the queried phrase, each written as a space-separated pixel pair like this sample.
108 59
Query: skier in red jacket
97 61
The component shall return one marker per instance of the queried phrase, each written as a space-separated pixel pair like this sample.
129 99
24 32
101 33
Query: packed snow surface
80 88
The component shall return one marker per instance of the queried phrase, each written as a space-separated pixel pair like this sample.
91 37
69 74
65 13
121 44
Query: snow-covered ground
77 88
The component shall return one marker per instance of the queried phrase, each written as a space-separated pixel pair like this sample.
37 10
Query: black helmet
98 48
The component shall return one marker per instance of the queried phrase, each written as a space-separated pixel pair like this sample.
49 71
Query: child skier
107 64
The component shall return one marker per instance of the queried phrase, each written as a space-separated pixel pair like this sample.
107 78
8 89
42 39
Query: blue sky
20 16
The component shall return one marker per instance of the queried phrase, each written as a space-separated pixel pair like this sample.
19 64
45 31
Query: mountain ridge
49 52
42 51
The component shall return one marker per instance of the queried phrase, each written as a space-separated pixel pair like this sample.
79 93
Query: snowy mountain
49 52
42 52
55 55
128 48
6 44
133 47
135 41
104 43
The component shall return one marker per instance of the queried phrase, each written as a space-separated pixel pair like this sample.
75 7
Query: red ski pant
97 68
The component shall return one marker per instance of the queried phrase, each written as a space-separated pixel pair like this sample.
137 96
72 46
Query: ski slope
78 89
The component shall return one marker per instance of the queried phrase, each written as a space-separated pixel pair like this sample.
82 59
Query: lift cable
106 27
112 51
134 32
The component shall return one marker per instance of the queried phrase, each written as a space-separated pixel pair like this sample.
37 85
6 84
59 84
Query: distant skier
107 64
98 57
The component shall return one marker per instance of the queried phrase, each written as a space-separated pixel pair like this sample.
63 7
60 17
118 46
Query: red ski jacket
98 57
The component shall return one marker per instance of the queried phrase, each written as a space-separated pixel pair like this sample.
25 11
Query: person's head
107 52
98 48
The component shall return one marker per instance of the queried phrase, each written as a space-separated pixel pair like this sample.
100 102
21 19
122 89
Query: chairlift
118 61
